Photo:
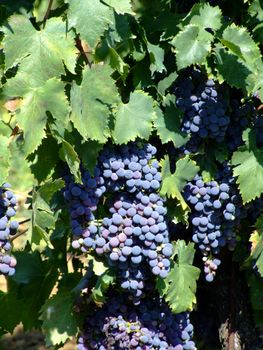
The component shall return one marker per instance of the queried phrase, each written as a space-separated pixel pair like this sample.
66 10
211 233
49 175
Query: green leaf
117 63
59 321
179 287
164 84
248 167
44 159
192 46
241 39
205 16
103 283
134 119
255 10
41 54
29 267
168 125
32 114
123 6
4 158
232 69
28 289
92 102
11 308
90 18
89 152
157 58
43 218
49 188
71 157
173 184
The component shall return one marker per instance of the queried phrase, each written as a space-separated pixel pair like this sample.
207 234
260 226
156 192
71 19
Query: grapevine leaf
88 152
117 63
192 46
102 285
157 58
41 53
255 10
48 189
239 41
32 116
164 84
4 158
179 287
28 268
42 216
90 18
92 102
35 278
233 70
134 119
120 31
142 74
173 184
69 154
11 308
168 125
123 6
248 168
204 16
59 321
44 159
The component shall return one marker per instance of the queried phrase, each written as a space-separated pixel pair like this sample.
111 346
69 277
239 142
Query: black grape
8 227
204 107
215 212
83 200
135 231
151 325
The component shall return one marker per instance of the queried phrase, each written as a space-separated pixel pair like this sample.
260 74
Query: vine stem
24 221
19 234
47 12
82 51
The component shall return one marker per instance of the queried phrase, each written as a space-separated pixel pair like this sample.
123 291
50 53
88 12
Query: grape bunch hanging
135 231
135 241
8 228
150 326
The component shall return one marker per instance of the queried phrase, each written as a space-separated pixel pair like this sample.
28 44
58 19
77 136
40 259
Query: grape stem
47 12
24 221
18 235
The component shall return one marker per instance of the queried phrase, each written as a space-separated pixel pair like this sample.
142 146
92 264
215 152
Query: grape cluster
210 267
204 109
119 325
8 227
135 231
216 210
83 200
128 168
